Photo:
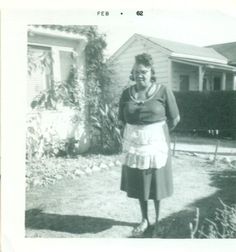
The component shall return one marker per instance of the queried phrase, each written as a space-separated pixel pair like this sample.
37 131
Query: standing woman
148 111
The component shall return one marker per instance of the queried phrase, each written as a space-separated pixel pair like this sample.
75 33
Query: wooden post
216 149
223 81
234 82
170 83
174 145
200 78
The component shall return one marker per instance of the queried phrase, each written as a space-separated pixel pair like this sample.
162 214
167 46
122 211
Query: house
228 50
55 48
53 52
182 67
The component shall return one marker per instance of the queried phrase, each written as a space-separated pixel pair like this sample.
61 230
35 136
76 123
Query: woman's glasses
143 72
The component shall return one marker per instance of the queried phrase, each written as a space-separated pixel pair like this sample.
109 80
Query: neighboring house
180 66
228 50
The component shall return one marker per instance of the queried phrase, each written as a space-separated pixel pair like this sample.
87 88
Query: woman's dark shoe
139 230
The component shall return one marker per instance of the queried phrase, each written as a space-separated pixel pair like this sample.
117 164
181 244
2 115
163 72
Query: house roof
59 31
226 49
179 50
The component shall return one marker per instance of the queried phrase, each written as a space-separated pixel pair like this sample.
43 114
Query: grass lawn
93 206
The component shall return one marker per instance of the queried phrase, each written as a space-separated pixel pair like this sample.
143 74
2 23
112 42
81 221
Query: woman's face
142 76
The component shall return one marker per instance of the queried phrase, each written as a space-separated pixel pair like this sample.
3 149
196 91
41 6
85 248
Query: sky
198 27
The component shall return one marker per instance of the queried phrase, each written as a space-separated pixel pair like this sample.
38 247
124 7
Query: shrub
33 136
108 125
45 142
67 93
203 111
222 226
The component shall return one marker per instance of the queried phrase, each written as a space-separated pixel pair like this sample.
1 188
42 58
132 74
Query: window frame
55 76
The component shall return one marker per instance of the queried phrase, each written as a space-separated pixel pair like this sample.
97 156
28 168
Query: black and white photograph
129 125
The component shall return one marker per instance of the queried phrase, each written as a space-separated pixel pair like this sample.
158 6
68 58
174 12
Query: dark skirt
149 183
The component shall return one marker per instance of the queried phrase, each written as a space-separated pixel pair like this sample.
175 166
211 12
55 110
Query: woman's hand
173 123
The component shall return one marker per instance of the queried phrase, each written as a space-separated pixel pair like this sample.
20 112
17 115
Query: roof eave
56 33
208 64
194 57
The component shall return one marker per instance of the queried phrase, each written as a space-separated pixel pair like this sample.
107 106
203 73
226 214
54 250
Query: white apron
145 146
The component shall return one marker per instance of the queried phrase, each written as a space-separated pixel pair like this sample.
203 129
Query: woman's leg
144 209
143 225
157 210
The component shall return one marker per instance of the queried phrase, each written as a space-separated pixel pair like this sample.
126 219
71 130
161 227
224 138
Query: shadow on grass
177 224
37 219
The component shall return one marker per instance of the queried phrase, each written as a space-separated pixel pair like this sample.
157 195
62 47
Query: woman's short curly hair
146 60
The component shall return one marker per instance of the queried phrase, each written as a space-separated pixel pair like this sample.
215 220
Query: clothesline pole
216 149
174 145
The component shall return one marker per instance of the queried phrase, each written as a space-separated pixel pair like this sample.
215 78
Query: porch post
223 81
200 78
234 82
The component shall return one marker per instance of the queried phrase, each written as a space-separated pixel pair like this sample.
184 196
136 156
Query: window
217 83
47 65
40 70
184 83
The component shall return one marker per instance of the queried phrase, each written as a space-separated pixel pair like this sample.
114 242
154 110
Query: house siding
123 64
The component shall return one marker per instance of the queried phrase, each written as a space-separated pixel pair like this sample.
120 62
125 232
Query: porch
194 75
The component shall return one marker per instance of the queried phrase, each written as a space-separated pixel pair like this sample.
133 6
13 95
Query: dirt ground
91 204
